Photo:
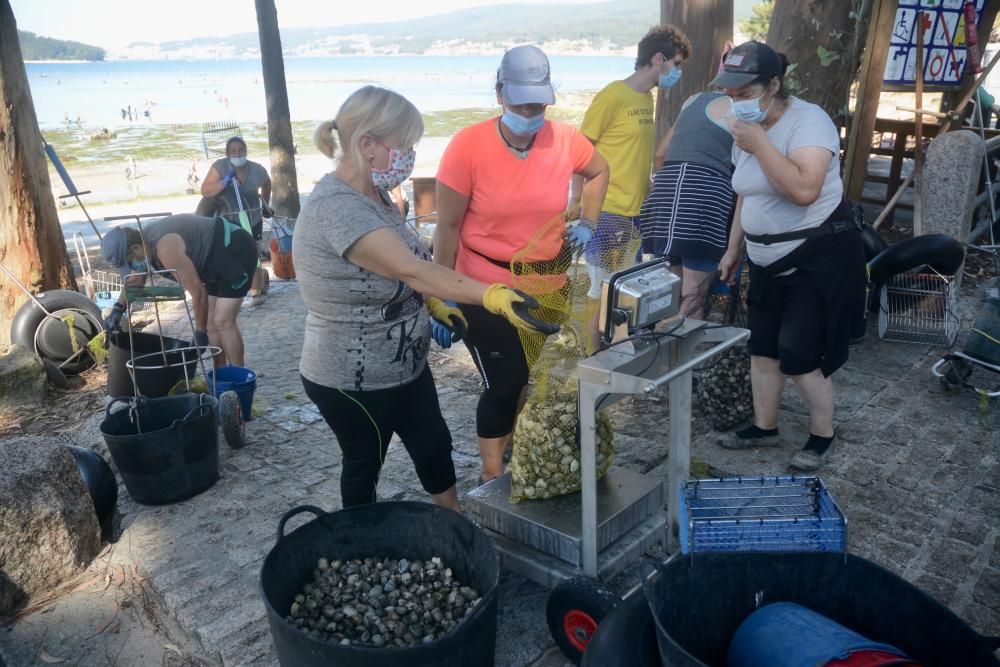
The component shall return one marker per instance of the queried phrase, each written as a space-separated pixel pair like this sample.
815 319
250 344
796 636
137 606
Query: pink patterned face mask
399 169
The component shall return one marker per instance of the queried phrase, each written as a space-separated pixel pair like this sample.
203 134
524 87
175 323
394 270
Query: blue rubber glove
115 317
448 325
441 334
228 178
579 233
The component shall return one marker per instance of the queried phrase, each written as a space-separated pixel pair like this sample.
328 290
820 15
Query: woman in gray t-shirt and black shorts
807 275
366 282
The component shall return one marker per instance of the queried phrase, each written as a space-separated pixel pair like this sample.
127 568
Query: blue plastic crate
760 514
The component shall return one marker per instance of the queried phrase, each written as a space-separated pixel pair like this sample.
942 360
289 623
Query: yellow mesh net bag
546 459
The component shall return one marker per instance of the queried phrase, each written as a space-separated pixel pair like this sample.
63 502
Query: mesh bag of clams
723 393
381 602
546 459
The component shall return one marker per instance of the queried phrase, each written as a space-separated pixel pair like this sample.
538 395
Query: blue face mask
749 111
138 267
670 78
522 125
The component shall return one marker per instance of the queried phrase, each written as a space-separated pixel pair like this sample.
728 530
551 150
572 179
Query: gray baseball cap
747 62
524 76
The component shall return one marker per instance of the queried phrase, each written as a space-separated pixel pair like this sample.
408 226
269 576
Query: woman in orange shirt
498 183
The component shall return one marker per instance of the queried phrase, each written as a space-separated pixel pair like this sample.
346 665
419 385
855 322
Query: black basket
176 454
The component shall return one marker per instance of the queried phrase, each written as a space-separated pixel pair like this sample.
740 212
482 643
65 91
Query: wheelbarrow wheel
574 610
231 418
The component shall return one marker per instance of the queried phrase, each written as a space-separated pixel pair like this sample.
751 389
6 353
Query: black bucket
153 383
177 454
698 603
411 530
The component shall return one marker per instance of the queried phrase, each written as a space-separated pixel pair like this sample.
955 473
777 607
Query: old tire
53 342
573 612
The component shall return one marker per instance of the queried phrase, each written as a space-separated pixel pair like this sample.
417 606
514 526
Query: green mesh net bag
546 458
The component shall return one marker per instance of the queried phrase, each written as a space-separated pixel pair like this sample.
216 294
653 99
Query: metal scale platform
612 521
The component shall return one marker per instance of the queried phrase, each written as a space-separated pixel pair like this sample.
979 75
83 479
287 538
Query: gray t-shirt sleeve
348 219
813 128
221 166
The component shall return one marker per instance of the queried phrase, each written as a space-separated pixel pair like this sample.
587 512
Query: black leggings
497 352
364 422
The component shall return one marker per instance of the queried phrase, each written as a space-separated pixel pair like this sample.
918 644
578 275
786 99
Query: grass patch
290 396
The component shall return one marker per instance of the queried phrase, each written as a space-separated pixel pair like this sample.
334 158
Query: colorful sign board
945 52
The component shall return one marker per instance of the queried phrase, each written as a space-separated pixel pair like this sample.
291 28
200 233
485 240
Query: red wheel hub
579 627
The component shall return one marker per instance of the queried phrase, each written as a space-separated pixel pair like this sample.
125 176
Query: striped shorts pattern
687 212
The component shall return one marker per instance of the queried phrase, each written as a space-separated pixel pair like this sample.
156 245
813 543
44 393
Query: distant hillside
612 25
36 47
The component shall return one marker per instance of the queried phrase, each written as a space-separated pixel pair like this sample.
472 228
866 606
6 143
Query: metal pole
679 451
588 476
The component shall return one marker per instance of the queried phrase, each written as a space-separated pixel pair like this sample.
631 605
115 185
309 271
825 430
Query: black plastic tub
175 457
100 480
699 603
153 383
411 530
626 637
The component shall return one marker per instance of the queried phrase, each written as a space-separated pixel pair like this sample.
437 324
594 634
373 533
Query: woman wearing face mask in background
367 285
498 183
219 197
213 260
807 276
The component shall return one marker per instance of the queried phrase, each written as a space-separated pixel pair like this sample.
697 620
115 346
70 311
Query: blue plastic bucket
235 378
784 634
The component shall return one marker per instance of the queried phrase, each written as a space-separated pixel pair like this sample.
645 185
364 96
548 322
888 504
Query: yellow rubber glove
448 324
513 305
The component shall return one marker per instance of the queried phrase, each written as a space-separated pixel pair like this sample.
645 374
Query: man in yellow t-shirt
619 122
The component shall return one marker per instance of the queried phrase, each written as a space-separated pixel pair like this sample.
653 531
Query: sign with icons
945 52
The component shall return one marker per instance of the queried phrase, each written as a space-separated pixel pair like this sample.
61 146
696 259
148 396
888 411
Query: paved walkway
916 471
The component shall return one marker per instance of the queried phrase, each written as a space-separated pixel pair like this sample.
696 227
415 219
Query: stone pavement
916 471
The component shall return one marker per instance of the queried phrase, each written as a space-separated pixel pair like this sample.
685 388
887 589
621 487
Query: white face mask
237 162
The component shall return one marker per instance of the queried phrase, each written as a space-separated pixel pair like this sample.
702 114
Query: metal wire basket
215 135
760 514
919 308
101 287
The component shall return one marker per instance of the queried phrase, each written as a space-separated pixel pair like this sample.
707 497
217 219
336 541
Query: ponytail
324 139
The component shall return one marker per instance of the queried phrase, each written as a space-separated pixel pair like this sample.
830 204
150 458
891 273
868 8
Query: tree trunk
709 25
818 37
31 241
285 187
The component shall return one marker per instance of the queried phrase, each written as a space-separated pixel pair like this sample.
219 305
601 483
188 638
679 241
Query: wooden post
32 246
285 187
918 131
709 25
859 139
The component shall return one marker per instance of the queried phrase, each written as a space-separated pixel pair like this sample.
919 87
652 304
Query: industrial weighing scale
570 542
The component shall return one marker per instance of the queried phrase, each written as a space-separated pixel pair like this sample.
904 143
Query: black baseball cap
747 62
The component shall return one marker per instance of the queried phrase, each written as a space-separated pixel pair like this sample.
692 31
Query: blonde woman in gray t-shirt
368 284
806 259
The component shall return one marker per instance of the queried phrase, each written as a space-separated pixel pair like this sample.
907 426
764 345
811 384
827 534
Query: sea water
203 91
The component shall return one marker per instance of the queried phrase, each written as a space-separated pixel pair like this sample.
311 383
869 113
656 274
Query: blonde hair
371 110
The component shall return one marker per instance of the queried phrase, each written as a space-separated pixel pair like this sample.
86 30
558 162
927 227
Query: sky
112 24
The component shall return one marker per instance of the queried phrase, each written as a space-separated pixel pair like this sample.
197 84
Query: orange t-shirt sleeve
581 151
455 168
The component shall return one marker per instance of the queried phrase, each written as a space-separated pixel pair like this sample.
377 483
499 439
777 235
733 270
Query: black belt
828 227
497 262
